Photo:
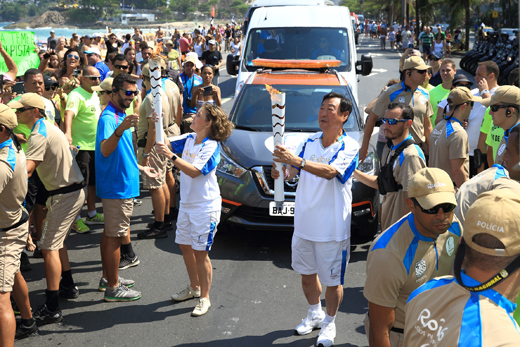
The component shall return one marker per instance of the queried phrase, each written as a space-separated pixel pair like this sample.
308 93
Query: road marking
224 100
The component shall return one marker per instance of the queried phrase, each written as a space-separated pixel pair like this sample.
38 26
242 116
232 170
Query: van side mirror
232 63
365 64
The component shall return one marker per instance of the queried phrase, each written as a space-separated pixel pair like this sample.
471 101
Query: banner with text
20 46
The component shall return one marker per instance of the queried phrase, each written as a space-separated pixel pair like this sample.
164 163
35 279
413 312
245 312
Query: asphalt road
256 297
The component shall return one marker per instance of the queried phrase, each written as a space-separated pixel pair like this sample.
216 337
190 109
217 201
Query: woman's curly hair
221 127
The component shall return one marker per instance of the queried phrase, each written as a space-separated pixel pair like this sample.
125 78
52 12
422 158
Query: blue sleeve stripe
178 146
421 154
501 172
42 129
212 228
336 154
410 254
424 92
387 235
343 265
212 163
11 157
395 94
431 284
471 325
350 170
455 229
449 129
401 159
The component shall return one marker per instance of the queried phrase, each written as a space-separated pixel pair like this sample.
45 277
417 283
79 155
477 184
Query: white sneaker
327 335
202 307
311 322
186 294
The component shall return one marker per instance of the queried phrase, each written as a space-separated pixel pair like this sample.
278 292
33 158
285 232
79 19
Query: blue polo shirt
189 83
103 69
117 176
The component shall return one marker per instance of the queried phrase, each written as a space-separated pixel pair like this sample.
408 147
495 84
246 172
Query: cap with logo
461 95
416 63
431 187
195 61
8 117
435 55
106 85
495 213
461 78
48 81
93 50
212 42
28 100
146 68
509 95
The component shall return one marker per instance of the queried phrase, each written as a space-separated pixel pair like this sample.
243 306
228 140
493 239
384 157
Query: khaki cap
416 63
495 213
461 95
28 100
509 95
8 117
169 42
106 85
146 68
431 187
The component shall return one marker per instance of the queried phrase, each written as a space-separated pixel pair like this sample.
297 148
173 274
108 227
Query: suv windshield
299 44
302 104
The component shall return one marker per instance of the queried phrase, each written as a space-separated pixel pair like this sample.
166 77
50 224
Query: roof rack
296 64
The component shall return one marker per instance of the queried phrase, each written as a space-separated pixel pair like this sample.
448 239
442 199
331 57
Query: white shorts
327 259
197 229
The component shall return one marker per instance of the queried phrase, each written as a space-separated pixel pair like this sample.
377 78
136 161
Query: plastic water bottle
74 151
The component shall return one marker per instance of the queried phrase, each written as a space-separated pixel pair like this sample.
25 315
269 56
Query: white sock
91 214
329 319
77 218
315 308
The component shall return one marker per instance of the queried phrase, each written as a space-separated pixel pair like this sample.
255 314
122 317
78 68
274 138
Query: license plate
284 209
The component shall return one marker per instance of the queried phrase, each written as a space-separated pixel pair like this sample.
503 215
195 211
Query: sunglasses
130 92
73 56
434 210
103 92
53 87
422 72
93 78
463 85
23 109
495 108
121 67
392 121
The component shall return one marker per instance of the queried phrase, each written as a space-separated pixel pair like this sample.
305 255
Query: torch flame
156 53
271 90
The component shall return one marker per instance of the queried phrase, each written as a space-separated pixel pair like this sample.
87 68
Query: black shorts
427 49
87 165
36 193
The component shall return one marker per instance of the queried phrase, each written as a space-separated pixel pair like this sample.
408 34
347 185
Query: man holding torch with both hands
321 241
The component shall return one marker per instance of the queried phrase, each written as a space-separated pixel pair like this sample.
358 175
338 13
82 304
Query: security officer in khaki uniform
449 146
14 221
474 308
419 247
408 92
147 156
49 153
504 107
402 158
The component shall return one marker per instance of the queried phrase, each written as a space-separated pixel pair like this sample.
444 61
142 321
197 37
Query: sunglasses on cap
495 108
93 78
53 87
121 67
73 56
23 109
130 92
447 207
101 92
393 121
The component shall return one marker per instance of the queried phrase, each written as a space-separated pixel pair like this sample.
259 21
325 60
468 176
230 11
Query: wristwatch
302 165
174 158
485 91
146 155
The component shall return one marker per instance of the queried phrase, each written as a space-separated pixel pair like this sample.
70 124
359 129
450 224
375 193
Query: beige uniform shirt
499 159
401 260
13 183
449 141
443 313
48 145
405 166
419 100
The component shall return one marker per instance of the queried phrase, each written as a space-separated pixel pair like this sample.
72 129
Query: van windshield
298 44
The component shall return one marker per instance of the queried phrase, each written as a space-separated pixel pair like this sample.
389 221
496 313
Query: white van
301 33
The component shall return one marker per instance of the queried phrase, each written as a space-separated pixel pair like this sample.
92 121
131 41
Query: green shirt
437 94
427 39
87 109
24 129
172 56
494 133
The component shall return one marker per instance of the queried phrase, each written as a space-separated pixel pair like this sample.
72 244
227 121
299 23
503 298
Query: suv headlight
229 167
369 164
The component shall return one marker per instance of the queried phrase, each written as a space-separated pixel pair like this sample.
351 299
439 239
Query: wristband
286 175
485 91
115 133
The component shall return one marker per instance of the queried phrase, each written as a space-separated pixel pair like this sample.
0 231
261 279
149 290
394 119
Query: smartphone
18 88
207 91
76 72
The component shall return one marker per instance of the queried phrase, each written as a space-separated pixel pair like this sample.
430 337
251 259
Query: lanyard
6 143
188 91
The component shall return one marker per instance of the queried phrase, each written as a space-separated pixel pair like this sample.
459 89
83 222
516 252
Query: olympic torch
278 111
155 79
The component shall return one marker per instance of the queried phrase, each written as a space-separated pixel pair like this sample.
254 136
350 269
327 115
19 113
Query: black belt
23 219
69 189
397 330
